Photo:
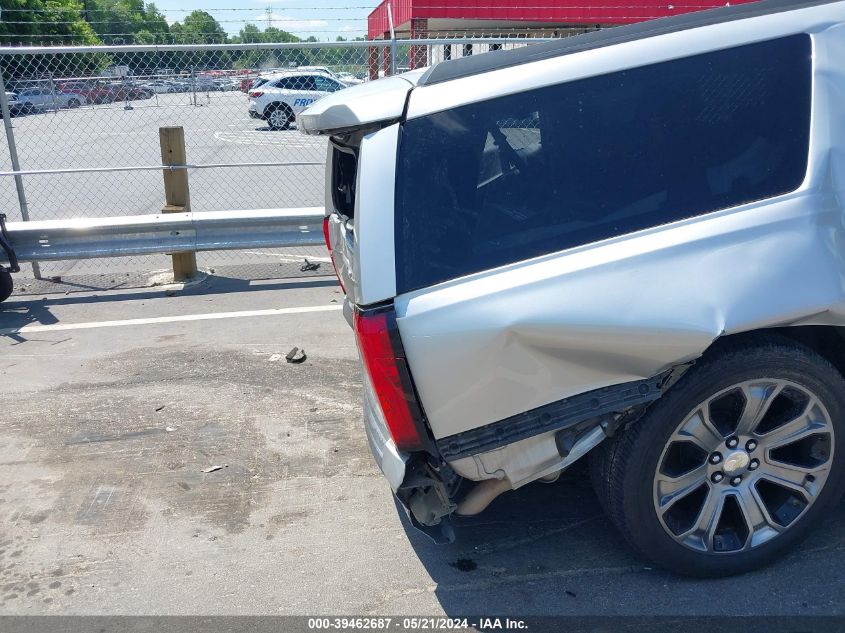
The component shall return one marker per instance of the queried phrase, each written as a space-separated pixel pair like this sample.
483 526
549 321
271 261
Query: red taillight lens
388 371
329 246
255 94
326 233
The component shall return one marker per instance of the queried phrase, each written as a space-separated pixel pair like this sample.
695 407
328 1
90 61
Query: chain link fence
86 144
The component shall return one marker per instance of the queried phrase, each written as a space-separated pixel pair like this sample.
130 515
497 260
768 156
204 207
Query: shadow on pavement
17 314
548 549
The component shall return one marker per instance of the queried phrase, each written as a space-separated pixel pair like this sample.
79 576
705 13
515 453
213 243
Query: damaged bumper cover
556 416
566 430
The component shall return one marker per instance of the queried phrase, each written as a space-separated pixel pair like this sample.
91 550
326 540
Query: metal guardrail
85 238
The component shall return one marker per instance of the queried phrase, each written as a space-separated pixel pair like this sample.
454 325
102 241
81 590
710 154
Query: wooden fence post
177 195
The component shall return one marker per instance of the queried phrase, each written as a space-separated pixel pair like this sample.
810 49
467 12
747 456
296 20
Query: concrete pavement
106 506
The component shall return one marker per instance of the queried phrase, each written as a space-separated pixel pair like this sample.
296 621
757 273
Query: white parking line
166 319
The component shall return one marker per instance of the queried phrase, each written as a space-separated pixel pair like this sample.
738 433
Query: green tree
130 22
277 58
198 27
44 22
127 21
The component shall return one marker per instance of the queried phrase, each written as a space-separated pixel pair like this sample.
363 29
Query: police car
280 99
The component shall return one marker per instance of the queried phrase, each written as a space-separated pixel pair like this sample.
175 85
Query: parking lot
218 131
119 407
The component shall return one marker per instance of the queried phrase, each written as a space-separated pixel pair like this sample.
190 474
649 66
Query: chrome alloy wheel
743 466
279 118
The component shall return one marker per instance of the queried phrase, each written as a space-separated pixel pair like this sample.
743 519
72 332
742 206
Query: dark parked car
126 91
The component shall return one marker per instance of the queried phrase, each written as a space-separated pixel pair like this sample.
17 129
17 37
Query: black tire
279 116
6 285
623 468
73 103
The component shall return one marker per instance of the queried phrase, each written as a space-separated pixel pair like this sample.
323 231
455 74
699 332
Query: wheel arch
275 105
618 465
828 341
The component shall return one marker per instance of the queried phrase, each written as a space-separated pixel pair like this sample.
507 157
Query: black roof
495 60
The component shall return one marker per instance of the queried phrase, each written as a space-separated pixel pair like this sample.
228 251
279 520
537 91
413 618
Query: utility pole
269 11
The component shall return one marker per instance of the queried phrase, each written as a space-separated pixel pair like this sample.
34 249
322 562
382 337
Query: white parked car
45 98
280 99
349 79
227 84
160 87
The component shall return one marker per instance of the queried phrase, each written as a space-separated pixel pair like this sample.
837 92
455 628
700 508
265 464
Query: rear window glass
511 178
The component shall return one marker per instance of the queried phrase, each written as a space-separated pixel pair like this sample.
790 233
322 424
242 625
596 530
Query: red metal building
417 19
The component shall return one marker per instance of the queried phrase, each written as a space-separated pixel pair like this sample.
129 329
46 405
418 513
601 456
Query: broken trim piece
554 416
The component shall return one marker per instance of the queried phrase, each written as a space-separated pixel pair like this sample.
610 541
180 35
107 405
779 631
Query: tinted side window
301 82
324 84
512 178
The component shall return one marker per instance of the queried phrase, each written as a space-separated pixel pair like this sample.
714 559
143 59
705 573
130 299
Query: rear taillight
254 94
329 246
326 234
385 364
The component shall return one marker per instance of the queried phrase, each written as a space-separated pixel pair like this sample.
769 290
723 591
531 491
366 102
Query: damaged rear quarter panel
498 343
507 341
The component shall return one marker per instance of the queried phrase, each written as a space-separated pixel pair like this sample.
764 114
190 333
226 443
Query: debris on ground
160 408
296 356
214 468
309 266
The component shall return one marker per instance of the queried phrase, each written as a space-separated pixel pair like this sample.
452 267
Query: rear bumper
422 491
252 109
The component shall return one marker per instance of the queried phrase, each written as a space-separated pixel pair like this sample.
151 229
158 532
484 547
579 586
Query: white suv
279 100
626 244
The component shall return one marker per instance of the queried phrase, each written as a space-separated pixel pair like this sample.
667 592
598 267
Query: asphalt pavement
158 455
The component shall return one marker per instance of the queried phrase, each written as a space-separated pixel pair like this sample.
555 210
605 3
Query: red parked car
126 91
92 91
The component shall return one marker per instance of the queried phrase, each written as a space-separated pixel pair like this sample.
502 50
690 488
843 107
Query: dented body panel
506 341
503 341
485 347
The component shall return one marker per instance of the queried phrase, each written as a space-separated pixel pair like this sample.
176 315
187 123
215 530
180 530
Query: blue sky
324 19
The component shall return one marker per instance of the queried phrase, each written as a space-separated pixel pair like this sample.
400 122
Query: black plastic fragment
309 266
296 356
